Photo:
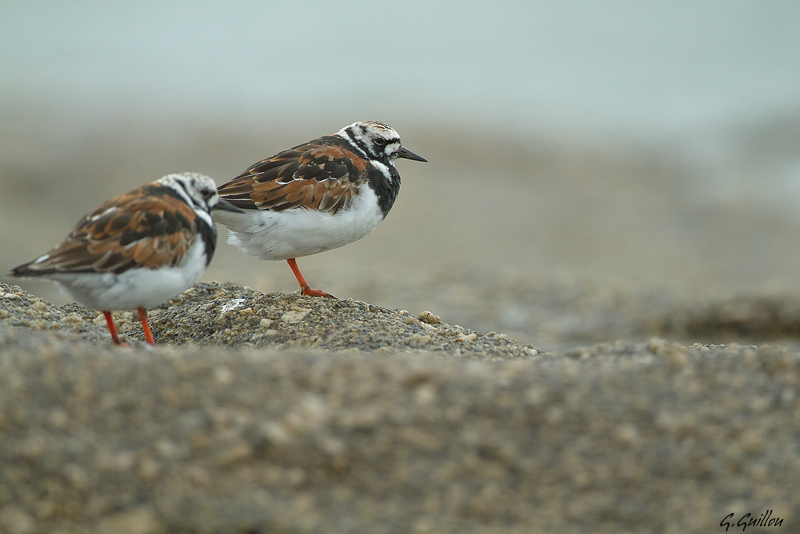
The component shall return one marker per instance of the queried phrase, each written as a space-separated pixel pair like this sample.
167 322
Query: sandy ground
287 414
282 413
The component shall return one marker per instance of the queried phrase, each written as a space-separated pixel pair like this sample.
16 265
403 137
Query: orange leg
303 284
111 327
146 326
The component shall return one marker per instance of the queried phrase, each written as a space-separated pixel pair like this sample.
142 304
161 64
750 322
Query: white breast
294 233
135 288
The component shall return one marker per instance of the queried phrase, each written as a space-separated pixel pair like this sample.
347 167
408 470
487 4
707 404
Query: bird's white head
198 190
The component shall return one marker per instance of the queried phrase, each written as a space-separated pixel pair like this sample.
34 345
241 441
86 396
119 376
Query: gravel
279 413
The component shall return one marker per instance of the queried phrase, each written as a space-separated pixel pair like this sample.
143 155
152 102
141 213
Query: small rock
295 315
231 305
428 317
418 341
148 470
14 520
235 453
223 375
138 521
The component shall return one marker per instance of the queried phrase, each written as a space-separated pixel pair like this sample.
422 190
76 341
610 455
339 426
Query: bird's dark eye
207 193
380 141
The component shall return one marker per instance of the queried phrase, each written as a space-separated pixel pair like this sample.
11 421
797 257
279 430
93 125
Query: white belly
294 233
135 288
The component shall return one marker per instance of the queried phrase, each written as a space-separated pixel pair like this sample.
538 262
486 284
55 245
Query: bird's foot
316 293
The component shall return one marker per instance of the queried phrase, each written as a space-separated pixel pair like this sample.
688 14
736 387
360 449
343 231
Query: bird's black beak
406 153
224 205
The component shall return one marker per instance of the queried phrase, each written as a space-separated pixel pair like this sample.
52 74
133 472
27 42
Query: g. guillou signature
747 520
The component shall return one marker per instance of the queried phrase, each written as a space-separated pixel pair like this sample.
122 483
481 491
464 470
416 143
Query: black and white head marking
197 190
375 140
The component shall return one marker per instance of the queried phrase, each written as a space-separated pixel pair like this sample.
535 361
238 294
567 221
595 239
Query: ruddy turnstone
317 196
138 249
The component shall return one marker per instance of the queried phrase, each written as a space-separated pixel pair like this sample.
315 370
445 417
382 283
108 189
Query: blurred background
596 170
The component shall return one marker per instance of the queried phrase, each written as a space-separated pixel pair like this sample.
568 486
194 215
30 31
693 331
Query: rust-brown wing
323 175
149 227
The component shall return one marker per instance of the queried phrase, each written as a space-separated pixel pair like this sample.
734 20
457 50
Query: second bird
316 196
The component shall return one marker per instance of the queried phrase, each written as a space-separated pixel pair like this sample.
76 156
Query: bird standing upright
317 196
138 249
